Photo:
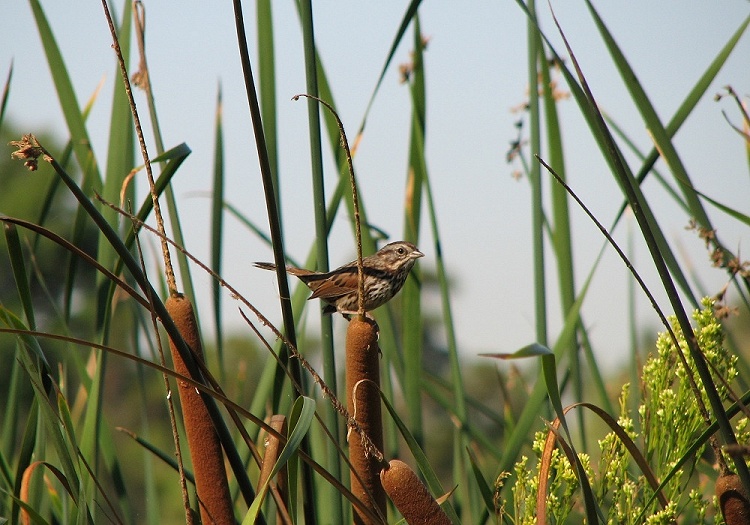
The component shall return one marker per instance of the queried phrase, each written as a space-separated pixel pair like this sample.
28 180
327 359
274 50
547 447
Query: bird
384 272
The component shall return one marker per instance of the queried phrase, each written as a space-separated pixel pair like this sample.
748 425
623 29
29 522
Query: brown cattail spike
273 450
733 500
410 496
205 448
363 403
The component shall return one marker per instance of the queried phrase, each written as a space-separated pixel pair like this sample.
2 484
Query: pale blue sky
476 72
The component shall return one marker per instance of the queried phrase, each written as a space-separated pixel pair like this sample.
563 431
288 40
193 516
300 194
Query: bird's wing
333 285
303 274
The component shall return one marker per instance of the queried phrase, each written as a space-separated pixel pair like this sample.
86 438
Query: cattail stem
363 403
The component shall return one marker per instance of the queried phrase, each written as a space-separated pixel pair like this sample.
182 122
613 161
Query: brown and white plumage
385 273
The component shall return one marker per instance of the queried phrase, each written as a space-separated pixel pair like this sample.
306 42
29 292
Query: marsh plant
100 329
667 429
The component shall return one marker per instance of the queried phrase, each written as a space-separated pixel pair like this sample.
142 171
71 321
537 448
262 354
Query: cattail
363 403
410 496
205 448
733 500
273 450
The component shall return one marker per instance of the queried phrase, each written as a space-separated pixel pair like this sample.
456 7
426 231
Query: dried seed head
28 150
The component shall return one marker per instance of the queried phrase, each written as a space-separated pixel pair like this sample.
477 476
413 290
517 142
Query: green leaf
6 92
433 483
15 254
68 102
217 226
532 350
303 413
484 488
411 305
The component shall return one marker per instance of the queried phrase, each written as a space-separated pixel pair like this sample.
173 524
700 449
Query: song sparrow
385 274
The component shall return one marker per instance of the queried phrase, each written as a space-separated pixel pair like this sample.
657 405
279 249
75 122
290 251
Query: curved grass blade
531 350
636 204
657 131
78 252
484 487
533 51
303 413
630 445
436 388
433 483
535 404
560 230
15 254
121 145
735 214
174 159
26 451
95 444
331 505
217 226
614 158
411 314
31 358
142 79
274 216
167 457
6 93
267 87
619 132
68 103
409 15
134 268
593 511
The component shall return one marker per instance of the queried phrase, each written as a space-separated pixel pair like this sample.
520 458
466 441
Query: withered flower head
29 150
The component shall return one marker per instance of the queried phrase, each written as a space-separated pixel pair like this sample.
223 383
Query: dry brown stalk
273 449
363 403
410 496
203 441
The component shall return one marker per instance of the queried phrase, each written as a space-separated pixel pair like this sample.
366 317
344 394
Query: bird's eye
401 251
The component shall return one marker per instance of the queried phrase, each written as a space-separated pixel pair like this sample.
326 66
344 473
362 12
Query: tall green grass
63 461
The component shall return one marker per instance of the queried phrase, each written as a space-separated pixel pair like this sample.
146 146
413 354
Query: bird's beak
416 254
